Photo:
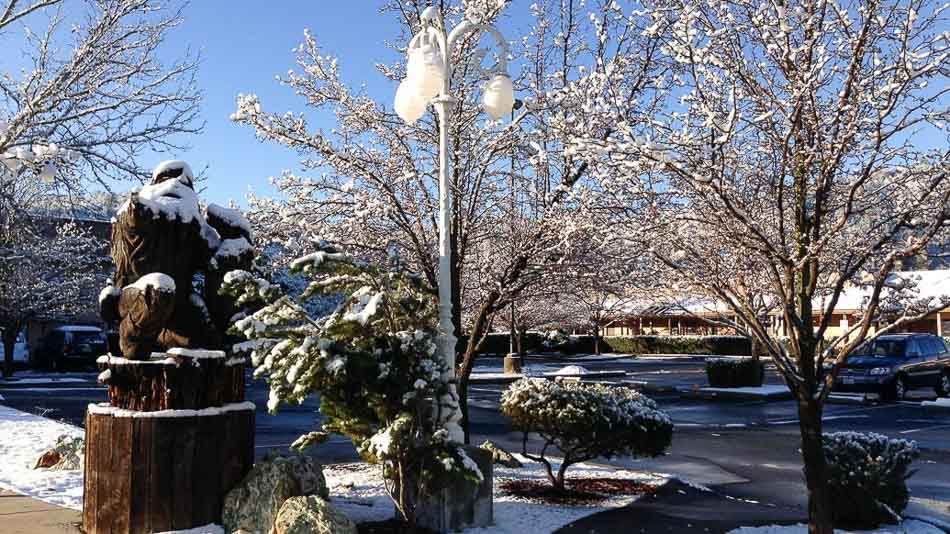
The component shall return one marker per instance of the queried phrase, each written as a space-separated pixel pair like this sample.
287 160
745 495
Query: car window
914 349
938 346
885 347
88 337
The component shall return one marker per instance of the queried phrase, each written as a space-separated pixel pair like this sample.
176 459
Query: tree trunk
561 471
819 498
8 356
10 334
596 339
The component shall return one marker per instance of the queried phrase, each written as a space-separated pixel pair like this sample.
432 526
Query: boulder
499 455
66 455
311 515
253 504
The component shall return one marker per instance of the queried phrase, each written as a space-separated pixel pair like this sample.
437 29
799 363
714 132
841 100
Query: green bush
868 477
734 372
585 421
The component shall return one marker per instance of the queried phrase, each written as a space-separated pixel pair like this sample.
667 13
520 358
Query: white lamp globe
424 70
48 172
409 105
499 97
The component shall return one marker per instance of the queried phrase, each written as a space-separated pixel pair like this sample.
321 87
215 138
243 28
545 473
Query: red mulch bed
390 526
577 490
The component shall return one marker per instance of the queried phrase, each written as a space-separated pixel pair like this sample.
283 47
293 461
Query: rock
311 515
66 455
499 455
253 504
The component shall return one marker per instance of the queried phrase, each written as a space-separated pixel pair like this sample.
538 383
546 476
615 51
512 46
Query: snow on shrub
585 421
372 360
867 474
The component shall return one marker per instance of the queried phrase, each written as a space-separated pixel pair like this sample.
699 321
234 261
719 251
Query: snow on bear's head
173 169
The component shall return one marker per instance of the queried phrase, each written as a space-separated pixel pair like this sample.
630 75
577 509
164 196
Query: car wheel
899 388
943 387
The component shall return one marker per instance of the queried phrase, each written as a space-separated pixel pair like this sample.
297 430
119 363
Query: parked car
21 353
893 364
67 346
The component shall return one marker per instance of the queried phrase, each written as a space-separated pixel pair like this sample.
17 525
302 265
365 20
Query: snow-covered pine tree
373 361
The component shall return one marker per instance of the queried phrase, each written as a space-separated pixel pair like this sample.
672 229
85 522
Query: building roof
930 285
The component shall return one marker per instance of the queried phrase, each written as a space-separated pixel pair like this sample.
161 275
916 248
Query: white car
21 352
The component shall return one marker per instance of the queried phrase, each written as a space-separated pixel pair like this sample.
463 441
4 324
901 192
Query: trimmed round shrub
585 421
735 373
868 477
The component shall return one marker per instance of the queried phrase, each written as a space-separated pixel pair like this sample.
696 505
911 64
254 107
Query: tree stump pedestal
175 437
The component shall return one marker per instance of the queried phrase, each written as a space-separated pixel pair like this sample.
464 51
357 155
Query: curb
706 394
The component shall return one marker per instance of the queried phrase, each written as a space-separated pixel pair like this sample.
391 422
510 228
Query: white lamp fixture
499 97
409 105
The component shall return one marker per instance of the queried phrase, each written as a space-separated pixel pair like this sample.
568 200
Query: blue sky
243 46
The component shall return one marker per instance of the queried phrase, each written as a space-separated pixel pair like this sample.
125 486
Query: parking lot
746 449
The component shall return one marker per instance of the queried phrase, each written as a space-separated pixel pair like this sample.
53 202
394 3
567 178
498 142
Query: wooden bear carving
170 260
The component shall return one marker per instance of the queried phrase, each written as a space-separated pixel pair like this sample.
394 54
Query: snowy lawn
910 526
773 389
25 438
357 489
939 403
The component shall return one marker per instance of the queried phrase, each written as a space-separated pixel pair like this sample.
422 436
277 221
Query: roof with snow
923 285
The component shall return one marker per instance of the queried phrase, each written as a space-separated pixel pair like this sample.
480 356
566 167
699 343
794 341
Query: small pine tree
372 360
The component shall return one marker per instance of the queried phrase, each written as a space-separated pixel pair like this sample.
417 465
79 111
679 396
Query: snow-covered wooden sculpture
176 434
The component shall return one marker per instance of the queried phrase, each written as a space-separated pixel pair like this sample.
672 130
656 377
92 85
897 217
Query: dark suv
67 345
893 364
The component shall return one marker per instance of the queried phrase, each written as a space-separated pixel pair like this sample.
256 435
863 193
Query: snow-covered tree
47 271
805 155
91 95
369 184
83 96
372 360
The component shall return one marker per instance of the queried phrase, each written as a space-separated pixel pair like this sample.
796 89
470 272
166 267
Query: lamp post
429 78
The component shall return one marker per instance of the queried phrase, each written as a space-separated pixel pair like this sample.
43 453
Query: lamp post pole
416 90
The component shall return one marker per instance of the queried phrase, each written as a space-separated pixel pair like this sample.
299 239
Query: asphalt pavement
740 457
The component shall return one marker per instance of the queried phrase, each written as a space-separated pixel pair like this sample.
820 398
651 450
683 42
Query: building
694 316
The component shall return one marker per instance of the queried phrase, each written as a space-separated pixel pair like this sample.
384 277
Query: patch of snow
109 291
232 248
206 529
157 358
197 354
105 408
231 216
909 526
939 403
772 389
357 490
187 176
25 438
571 370
159 281
104 376
77 328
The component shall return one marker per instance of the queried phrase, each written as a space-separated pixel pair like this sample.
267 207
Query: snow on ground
910 526
773 389
571 370
206 529
357 490
25 438
939 403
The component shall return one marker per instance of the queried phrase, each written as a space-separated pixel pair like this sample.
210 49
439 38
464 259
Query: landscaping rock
499 455
66 455
311 515
253 504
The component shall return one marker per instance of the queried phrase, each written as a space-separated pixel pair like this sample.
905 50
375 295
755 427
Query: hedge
718 345
730 373
498 343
